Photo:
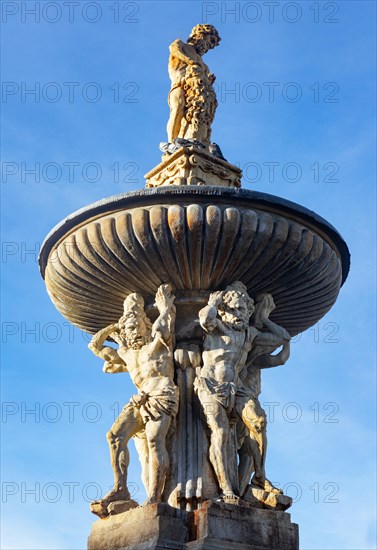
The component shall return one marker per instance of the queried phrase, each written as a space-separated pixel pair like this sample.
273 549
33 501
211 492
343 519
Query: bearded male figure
192 99
227 342
146 352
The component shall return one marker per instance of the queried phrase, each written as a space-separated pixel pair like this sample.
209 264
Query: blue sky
303 81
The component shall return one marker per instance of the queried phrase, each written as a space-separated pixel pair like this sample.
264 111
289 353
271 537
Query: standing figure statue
146 352
192 99
252 424
228 340
225 321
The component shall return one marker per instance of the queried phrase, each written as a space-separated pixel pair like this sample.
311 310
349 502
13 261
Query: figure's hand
266 307
113 363
114 327
110 367
115 335
164 296
285 352
96 344
215 298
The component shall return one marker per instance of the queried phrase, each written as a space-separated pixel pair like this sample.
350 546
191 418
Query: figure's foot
266 498
100 507
116 494
264 484
271 488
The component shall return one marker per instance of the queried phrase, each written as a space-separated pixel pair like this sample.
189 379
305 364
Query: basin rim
246 197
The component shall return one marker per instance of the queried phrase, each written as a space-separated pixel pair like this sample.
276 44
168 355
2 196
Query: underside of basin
199 239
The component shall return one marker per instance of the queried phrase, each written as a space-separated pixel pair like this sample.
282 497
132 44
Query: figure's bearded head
135 327
204 38
236 306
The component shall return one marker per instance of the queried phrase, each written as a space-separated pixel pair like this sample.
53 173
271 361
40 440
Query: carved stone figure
225 321
146 352
251 429
192 99
229 339
253 445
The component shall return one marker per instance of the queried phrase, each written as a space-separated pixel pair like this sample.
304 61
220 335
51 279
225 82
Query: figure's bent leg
156 432
127 424
255 420
263 438
177 110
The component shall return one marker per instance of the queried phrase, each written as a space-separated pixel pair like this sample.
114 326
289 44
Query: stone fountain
190 286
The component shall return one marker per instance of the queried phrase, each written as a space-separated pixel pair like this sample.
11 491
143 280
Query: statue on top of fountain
192 99
189 156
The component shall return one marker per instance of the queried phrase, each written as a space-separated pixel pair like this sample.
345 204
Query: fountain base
215 526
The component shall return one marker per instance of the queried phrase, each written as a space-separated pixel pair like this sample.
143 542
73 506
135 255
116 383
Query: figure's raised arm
96 345
271 333
208 315
113 363
165 322
267 360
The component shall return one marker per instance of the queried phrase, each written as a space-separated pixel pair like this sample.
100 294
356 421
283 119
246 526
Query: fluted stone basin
198 238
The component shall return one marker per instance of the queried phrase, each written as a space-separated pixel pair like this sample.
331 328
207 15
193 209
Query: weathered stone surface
145 528
192 166
216 526
120 506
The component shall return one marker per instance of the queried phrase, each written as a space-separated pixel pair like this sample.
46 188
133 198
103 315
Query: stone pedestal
155 527
220 526
215 526
193 166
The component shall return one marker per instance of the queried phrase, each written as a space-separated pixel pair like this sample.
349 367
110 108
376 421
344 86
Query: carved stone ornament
193 166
